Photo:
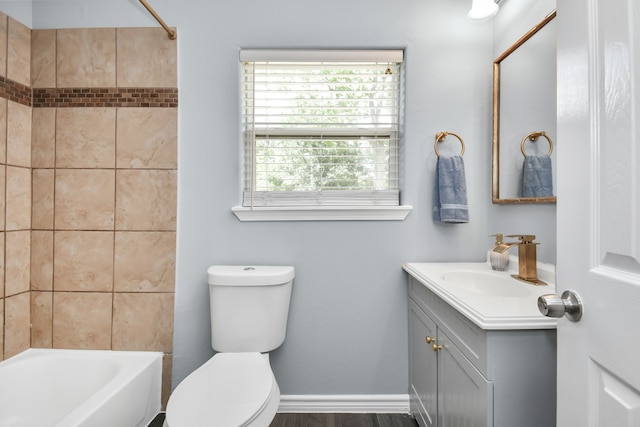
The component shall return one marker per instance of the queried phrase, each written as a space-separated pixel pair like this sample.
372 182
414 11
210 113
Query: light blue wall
348 319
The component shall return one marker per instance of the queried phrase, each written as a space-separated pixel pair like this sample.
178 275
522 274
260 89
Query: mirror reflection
524 118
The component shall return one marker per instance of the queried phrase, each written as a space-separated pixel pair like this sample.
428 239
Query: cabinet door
466 397
423 367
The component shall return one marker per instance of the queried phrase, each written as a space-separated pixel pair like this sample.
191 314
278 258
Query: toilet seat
230 389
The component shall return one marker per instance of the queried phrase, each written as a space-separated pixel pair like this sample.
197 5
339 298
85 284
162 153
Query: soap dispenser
498 261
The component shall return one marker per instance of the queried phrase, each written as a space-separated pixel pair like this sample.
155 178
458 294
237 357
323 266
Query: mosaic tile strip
105 97
88 97
15 91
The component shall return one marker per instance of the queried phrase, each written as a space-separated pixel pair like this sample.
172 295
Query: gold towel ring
533 136
441 136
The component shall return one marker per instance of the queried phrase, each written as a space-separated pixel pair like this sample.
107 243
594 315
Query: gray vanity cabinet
446 389
476 377
423 366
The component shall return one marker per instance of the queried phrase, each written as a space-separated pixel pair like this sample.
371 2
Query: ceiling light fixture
482 10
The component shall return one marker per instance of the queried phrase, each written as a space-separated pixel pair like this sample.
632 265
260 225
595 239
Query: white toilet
236 387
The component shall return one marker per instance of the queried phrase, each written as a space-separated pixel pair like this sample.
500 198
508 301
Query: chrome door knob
568 304
551 305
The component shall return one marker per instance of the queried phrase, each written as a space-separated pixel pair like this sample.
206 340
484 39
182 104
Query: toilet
236 387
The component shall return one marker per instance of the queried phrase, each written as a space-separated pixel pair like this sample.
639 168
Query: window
321 128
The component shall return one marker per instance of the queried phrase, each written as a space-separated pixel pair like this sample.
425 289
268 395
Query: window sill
323 213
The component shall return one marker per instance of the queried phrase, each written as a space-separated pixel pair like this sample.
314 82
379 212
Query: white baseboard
345 403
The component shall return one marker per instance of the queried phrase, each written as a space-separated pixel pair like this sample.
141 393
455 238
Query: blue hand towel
450 193
537 180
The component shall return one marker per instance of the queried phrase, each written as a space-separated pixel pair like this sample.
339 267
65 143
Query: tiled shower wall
15 185
90 201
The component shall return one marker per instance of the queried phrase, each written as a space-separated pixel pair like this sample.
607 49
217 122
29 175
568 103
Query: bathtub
80 388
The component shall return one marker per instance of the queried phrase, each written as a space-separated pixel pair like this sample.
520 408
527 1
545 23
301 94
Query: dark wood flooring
343 420
330 420
157 421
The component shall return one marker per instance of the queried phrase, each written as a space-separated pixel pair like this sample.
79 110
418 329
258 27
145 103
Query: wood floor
331 420
343 420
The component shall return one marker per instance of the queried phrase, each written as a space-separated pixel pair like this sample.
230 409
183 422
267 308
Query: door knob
568 304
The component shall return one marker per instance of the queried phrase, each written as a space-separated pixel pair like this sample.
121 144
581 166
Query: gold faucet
527 263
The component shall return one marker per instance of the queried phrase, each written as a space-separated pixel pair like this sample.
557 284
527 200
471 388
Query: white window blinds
321 127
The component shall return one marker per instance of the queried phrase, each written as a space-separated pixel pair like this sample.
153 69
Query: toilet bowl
236 387
229 390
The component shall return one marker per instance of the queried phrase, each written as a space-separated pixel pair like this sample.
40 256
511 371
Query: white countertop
489 309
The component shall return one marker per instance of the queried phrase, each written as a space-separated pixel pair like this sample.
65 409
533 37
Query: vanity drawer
468 337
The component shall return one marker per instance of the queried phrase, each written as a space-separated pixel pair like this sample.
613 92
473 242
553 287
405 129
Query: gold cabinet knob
430 340
436 347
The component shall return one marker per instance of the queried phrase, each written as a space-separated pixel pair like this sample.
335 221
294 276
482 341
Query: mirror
524 118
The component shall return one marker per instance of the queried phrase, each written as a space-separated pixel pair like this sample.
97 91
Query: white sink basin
491 299
486 283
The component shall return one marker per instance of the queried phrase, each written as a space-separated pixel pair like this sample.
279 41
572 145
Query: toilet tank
249 307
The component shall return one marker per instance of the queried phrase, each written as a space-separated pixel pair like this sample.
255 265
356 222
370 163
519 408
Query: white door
599 211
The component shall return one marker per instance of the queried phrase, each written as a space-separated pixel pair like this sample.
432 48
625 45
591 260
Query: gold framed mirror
524 118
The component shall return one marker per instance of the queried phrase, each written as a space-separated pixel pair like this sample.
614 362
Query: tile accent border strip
158 97
105 97
15 91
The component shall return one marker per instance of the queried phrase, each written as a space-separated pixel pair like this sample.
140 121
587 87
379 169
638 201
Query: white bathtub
80 388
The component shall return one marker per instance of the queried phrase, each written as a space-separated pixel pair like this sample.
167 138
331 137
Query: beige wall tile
143 321
86 57
18 134
167 365
146 200
145 261
41 319
146 58
83 261
3 58
43 139
86 138
19 52
17 334
18 202
3 130
147 138
84 199
2 260
2 199
43 58
42 202
41 260
82 320
18 261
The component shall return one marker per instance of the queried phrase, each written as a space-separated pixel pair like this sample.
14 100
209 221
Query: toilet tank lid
249 275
